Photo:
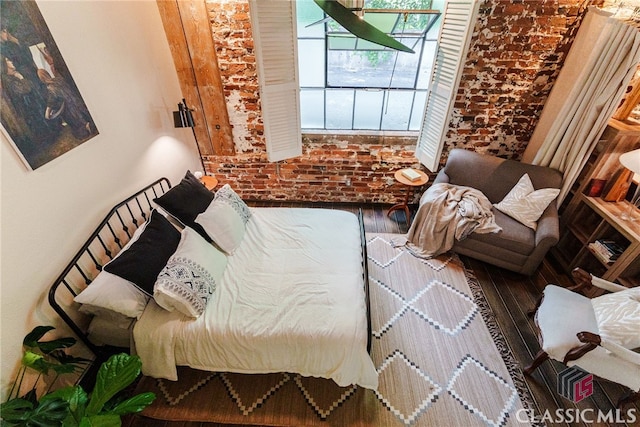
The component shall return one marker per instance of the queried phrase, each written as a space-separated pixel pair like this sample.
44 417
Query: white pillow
618 316
225 219
111 292
189 279
525 204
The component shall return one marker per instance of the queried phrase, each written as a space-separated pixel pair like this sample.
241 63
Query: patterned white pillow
525 204
190 277
225 219
618 316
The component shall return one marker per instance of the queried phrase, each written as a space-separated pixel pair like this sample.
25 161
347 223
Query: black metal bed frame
365 273
110 236
108 239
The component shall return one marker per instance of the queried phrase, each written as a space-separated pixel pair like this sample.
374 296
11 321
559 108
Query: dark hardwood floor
511 296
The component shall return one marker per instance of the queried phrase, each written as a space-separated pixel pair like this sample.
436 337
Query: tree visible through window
348 83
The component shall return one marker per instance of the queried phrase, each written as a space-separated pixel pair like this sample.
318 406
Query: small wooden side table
209 181
411 186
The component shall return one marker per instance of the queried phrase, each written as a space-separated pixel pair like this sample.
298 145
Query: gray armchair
517 247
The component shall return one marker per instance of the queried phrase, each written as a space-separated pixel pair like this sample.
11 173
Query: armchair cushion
561 315
618 317
513 237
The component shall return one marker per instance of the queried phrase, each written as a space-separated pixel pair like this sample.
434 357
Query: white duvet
291 300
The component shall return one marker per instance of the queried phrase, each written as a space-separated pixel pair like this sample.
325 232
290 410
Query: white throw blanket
449 213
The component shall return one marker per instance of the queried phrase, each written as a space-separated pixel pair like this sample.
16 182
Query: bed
282 290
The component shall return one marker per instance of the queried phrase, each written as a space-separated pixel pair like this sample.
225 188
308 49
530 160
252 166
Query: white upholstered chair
598 335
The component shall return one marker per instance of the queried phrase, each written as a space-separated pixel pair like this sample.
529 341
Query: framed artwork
42 112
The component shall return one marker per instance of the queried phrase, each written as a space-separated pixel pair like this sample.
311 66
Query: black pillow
186 201
146 257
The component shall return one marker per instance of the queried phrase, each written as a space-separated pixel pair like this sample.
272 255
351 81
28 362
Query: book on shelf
612 246
599 253
606 250
410 174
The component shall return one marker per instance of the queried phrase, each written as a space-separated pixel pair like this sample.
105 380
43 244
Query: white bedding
291 300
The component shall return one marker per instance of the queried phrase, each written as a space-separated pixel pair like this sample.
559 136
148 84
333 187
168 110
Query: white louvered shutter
275 38
455 35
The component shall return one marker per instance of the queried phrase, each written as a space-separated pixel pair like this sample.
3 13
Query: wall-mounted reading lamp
183 118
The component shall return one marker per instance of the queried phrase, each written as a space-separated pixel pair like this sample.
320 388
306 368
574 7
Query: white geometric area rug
439 363
428 326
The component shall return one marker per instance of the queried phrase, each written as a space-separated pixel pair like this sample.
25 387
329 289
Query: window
274 29
350 83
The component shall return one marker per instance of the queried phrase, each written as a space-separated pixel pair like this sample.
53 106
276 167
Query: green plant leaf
39 363
64 369
31 339
114 375
135 404
48 346
77 399
15 410
75 396
65 358
29 358
35 361
49 412
104 420
359 27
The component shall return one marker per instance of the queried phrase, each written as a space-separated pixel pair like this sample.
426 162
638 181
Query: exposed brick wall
515 54
231 30
340 169
517 50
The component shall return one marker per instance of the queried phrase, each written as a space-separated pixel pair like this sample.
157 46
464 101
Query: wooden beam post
188 31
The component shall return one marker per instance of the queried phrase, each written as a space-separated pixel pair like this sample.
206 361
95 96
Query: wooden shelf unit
586 219
595 219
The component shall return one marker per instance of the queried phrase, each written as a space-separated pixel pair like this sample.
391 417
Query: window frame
456 30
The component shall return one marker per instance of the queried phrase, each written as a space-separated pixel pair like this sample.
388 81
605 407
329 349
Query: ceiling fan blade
321 21
359 27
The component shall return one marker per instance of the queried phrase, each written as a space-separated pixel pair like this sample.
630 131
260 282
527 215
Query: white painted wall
120 60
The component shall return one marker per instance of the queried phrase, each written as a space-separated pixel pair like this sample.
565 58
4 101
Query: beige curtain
598 68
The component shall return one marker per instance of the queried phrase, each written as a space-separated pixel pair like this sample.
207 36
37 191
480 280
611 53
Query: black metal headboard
106 241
